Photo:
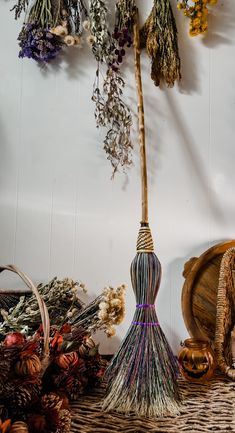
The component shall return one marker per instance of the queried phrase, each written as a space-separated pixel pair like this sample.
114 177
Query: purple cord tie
146 324
145 305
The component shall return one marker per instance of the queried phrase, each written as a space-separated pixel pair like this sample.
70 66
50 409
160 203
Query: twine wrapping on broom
142 376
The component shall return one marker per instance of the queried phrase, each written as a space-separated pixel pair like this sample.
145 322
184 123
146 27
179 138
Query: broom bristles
142 377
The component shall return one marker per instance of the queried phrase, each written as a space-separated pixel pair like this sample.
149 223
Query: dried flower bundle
159 36
49 25
106 310
62 300
198 14
111 111
64 305
102 42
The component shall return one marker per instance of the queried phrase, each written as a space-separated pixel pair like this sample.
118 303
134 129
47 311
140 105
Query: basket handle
42 306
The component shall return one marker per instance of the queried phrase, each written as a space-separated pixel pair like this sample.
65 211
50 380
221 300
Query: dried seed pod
19 427
14 338
28 365
67 360
51 401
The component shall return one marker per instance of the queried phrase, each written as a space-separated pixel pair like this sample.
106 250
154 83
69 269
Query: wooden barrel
199 293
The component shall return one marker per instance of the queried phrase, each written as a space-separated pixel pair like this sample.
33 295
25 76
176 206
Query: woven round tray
199 294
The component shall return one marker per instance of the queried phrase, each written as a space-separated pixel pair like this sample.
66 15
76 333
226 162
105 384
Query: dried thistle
159 36
111 112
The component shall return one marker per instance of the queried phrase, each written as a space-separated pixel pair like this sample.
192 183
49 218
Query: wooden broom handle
143 161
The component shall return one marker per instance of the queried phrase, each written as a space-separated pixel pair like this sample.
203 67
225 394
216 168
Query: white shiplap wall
60 214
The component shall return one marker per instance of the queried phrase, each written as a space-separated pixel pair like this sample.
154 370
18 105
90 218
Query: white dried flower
103 316
69 40
103 306
116 303
91 39
59 31
86 25
70 314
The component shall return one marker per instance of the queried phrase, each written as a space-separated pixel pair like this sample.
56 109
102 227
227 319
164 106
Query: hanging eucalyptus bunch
159 36
111 111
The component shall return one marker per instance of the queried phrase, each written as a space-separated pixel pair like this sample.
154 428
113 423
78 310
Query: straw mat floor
207 408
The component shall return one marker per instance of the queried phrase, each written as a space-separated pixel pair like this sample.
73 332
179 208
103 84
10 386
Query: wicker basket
225 315
10 298
42 308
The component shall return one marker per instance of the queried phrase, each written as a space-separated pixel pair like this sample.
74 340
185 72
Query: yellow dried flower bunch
198 14
112 308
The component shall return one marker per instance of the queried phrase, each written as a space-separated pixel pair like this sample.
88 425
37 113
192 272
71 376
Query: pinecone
51 401
25 394
65 421
7 357
19 427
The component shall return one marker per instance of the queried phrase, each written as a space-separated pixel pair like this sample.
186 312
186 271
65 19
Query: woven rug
207 408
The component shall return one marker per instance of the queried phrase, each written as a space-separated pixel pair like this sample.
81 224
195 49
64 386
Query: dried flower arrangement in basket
40 372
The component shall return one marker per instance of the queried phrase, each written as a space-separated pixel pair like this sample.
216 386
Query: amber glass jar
196 359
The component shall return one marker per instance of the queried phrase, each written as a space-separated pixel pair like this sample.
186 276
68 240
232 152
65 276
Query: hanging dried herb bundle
123 31
111 111
101 40
49 25
159 36
198 14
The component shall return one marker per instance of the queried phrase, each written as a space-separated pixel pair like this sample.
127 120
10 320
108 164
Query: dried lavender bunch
106 310
159 36
38 43
19 7
111 112
62 301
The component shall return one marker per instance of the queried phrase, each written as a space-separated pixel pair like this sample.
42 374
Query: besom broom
142 376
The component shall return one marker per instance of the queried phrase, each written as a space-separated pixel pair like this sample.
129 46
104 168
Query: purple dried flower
38 43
